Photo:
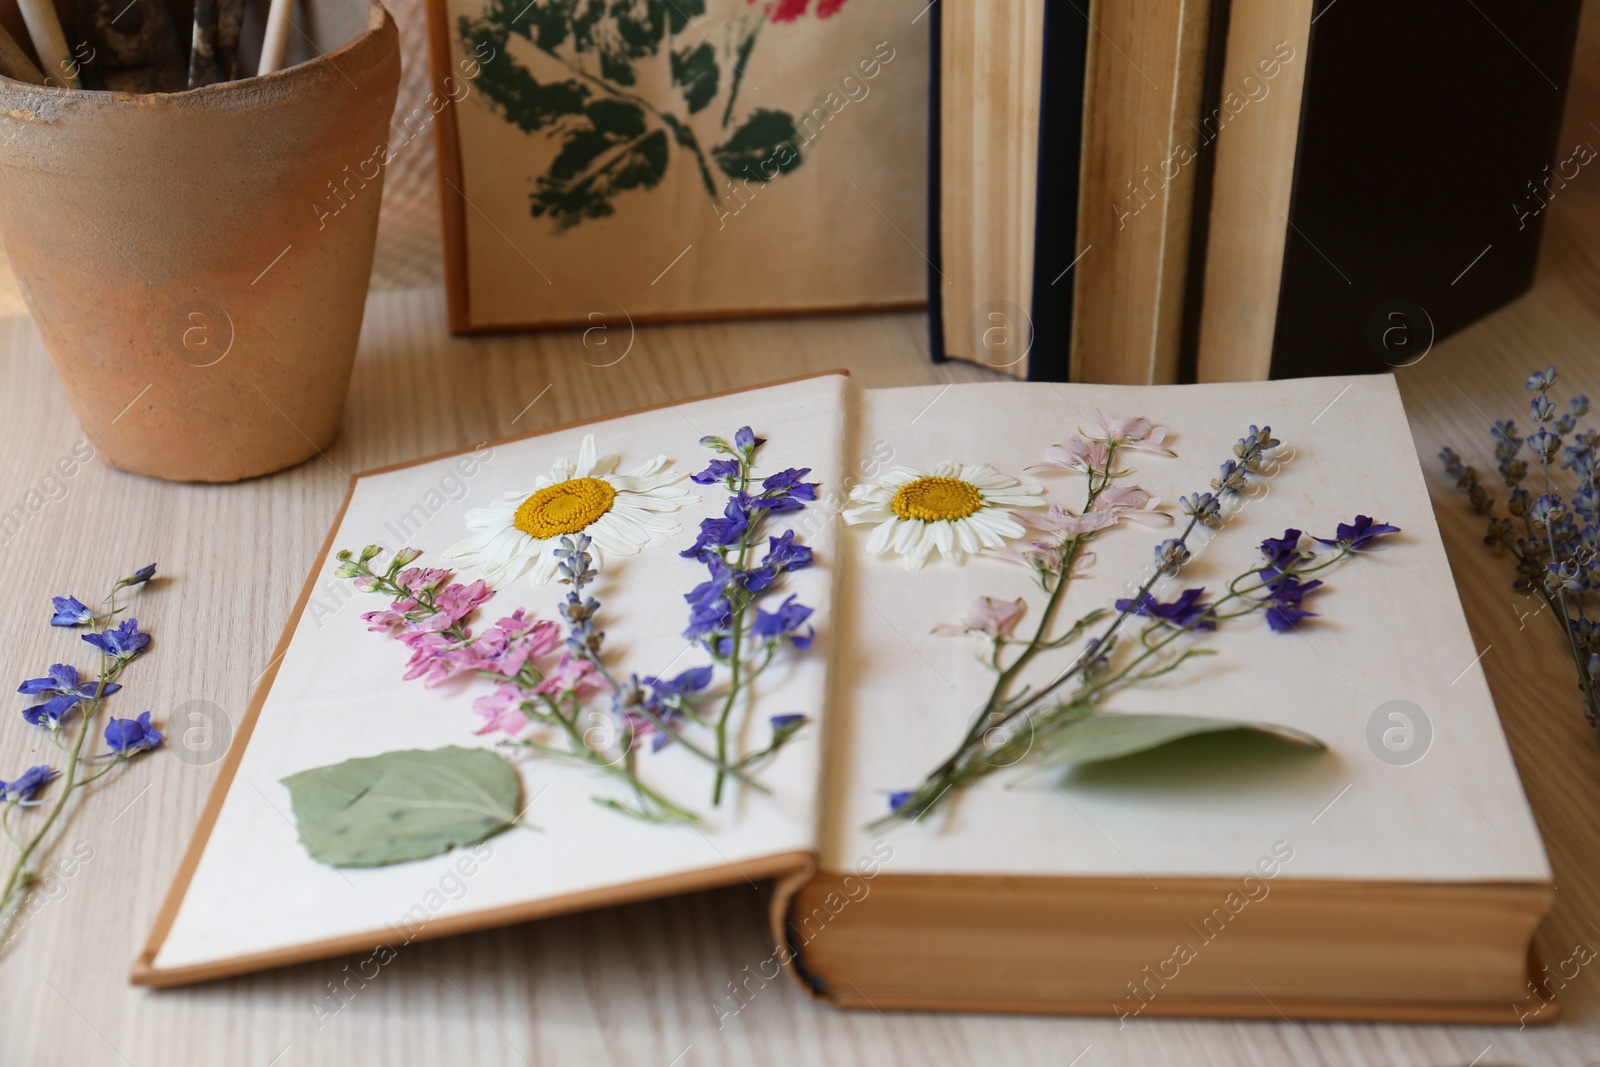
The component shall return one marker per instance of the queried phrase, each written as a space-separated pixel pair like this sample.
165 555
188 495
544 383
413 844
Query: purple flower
783 725
1283 599
722 532
898 799
788 481
1355 534
716 471
23 788
65 689
1186 611
129 736
69 611
777 504
682 687
1281 551
783 624
120 642
783 554
709 609
140 576
745 439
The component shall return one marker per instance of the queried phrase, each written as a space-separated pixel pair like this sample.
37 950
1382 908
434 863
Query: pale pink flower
1077 454
1064 524
1132 433
1131 503
986 615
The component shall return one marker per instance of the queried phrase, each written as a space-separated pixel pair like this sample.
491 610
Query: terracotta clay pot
197 262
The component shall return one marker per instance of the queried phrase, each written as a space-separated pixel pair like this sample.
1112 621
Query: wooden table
638 985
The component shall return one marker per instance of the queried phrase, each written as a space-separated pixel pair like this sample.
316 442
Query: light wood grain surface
640 985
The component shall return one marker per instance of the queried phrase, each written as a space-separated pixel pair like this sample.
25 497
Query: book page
1448 807
339 694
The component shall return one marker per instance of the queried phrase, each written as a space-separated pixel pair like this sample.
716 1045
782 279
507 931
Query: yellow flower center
564 508
936 500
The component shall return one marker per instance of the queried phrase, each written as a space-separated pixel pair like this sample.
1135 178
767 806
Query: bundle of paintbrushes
136 46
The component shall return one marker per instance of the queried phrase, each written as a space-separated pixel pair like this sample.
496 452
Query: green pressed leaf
612 152
679 12
401 806
527 103
695 70
1108 735
761 149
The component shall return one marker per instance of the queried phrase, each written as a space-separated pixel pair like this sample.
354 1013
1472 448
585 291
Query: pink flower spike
1133 433
986 615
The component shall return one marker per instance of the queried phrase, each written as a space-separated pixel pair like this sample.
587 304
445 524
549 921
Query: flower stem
12 895
736 650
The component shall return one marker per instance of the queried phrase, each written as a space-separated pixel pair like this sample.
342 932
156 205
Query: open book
1322 818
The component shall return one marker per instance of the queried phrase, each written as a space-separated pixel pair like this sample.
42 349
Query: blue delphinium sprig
67 703
1551 530
728 612
1028 723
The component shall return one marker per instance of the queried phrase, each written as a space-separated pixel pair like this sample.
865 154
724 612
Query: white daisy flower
956 510
517 535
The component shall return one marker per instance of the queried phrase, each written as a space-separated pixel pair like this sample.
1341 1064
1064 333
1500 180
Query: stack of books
1222 190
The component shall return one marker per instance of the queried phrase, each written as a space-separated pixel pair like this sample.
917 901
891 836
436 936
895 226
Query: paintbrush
49 43
14 62
276 36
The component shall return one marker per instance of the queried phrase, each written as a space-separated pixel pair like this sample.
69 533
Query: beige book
1255 154
1396 874
1122 266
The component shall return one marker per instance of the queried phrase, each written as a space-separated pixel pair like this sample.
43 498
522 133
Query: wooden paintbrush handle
50 43
14 62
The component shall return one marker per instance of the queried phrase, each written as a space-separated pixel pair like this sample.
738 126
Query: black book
1403 192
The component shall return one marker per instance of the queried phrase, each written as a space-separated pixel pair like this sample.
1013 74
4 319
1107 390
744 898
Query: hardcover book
1336 244
668 159
1031 697
1063 168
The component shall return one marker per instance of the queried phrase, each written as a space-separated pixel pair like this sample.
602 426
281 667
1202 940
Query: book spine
935 237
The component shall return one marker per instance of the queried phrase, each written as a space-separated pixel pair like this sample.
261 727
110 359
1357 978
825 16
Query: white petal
882 535
874 512
586 457
920 544
967 539
986 477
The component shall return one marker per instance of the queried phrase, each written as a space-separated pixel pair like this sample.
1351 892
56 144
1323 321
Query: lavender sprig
70 711
1553 536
